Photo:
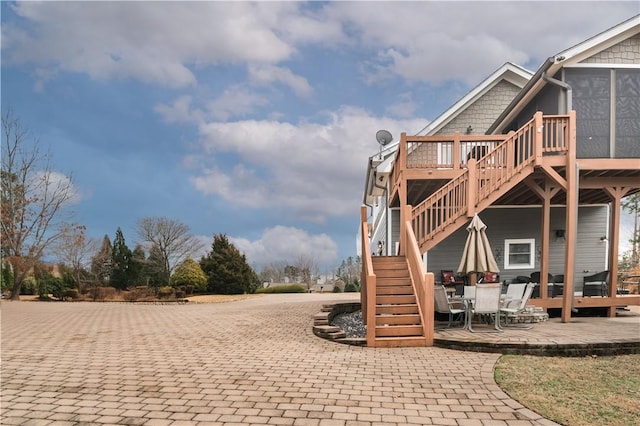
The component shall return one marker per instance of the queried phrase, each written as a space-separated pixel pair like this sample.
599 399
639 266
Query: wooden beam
456 151
600 182
537 137
545 194
533 185
571 219
555 176
548 192
472 190
427 174
544 260
588 302
402 192
609 164
616 194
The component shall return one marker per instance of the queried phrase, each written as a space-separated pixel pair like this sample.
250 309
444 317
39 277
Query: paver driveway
254 361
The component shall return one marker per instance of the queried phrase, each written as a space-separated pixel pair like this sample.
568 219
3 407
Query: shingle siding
484 111
626 52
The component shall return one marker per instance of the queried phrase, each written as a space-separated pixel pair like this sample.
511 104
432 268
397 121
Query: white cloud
284 243
45 185
316 170
267 74
163 43
235 101
151 42
442 41
403 107
179 111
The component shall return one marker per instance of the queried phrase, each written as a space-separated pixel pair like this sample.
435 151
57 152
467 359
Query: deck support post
472 187
545 194
571 219
616 194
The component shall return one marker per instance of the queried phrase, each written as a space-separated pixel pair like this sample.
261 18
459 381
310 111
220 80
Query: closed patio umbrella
477 255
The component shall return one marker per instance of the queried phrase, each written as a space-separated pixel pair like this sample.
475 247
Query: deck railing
422 283
487 162
367 281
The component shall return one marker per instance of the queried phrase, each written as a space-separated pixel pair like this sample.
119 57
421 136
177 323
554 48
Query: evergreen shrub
351 288
165 291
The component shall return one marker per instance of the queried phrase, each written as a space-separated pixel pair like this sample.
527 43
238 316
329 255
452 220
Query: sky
255 120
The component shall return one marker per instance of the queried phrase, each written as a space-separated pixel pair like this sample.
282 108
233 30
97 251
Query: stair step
387 282
400 319
395 290
399 272
386 260
400 342
395 300
398 330
397 309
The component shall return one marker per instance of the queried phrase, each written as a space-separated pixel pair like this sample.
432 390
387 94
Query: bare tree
170 238
274 272
33 200
75 249
308 269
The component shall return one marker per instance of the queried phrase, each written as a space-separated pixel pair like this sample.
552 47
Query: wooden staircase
485 180
397 315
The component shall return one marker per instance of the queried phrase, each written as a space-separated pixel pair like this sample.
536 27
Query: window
519 254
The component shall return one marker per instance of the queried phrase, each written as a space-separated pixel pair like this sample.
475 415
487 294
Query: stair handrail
367 281
421 281
519 150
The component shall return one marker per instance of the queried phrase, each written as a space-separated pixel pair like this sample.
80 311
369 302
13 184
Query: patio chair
469 292
535 278
514 292
596 284
487 302
445 305
558 285
516 306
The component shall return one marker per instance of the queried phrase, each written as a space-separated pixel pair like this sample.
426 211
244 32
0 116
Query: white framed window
519 253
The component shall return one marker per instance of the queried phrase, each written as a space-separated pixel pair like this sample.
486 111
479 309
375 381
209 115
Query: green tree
102 263
189 273
227 269
137 267
121 258
154 268
6 276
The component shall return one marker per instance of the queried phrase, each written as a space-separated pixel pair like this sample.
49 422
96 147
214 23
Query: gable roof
514 74
567 58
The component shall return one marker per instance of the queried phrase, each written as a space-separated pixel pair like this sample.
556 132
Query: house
471 115
546 173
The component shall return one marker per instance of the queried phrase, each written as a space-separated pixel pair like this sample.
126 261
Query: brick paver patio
254 361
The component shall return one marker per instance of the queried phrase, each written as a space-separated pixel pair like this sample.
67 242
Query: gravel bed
351 324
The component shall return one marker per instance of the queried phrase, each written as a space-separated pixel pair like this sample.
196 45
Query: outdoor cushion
490 277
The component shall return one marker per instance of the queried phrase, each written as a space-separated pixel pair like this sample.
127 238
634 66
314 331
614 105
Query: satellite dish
383 137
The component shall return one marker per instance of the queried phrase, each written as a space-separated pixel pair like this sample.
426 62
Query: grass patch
575 391
292 288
